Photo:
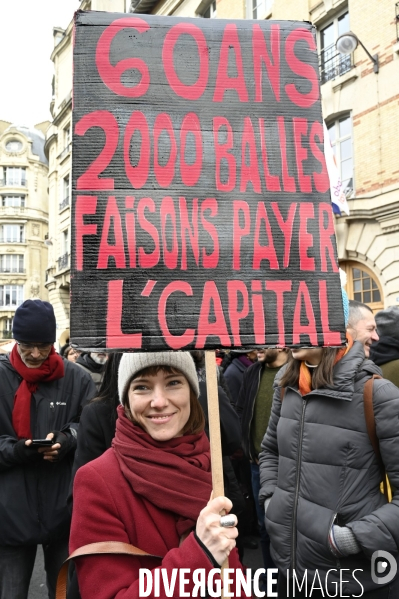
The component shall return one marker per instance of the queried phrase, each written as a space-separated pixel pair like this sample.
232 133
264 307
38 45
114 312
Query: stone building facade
23 219
58 151
359 106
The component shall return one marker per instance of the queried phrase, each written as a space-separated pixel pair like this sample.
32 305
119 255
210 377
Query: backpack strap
104 547
371 430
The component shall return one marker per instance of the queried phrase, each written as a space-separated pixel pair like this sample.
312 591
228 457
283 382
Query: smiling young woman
152 488
161 401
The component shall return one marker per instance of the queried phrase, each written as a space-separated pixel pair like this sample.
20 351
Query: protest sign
201 200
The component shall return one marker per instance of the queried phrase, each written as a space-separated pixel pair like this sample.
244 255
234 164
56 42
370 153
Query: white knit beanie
131 364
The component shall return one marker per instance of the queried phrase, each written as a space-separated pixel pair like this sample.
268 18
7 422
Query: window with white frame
65 242
13 201
332 63
11 296
210 11
67 136
12 233
11 263
258 9
340 132
15 176
65 188
8 325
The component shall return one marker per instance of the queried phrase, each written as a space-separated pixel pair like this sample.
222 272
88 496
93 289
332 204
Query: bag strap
371 430
103 547
369 415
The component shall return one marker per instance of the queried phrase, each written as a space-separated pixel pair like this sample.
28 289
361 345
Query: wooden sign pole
214 430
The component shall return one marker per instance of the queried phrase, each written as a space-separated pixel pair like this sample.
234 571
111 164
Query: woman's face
160 404
72 355
311 355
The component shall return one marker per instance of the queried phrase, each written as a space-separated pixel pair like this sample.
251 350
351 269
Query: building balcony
11 241
64 204
11 210
63 262
65 152
12 270
13 183
332 64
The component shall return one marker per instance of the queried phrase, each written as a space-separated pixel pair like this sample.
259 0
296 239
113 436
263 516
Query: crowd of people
98 447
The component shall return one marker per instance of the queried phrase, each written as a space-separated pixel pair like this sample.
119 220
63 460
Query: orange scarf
305 377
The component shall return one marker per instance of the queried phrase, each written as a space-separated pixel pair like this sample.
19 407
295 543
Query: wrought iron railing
333 64
11 269
11 182
6 334
397 20
5 239
65 151
63 261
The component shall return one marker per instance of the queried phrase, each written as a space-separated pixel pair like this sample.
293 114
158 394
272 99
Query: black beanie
34 321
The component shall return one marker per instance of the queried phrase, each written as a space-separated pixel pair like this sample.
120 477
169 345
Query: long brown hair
322 376
196 421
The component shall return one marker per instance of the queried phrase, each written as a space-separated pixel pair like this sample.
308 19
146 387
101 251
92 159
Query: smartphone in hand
42 443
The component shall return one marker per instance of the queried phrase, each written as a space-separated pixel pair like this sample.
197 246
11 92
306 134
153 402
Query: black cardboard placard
201 210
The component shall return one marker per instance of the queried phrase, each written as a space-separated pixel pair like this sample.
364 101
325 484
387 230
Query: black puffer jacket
33 497
318 464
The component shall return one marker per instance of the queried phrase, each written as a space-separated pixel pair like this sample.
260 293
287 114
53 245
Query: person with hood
41 397
239 361
385 352
320 476
152 489
94 363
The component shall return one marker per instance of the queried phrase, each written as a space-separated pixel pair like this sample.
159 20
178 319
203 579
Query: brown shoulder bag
370 423
104 547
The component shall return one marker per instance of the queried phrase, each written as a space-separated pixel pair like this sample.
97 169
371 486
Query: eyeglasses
41 347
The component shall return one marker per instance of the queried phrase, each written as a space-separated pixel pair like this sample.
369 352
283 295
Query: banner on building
201 200
337 191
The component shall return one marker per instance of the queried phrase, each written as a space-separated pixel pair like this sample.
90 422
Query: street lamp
347 43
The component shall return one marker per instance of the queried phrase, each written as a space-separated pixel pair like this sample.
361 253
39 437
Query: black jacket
245 405
230 440
234 374
96 431
318 463
229 424
33 497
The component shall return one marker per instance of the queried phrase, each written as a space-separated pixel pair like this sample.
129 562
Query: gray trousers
17 563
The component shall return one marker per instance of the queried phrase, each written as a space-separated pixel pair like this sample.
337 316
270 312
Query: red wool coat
106 509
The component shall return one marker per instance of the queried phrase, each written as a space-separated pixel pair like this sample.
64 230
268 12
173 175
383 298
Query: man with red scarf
41 396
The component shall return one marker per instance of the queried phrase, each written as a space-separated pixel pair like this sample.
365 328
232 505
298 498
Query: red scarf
51 370
174 475
305 377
